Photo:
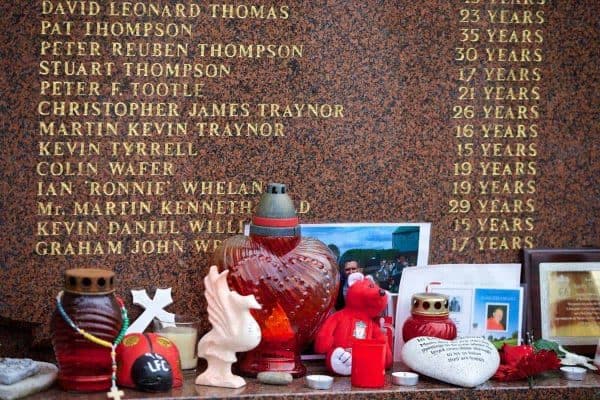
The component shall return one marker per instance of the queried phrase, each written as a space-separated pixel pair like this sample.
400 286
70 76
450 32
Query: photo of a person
349 267
496 317
455 304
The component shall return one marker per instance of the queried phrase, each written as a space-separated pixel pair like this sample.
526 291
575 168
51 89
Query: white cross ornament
115 393
153 309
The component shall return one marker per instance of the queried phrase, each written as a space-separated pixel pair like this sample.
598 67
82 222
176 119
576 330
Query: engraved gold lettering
157 246
80 248
89 208
206 245
242 11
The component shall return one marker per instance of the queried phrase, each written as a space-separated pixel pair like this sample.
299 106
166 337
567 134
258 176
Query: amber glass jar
429 317
89 301
295 280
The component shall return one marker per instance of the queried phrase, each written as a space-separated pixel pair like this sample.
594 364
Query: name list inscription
124 108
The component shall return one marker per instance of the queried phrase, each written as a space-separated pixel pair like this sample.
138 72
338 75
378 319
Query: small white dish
405 378
320 382
573 373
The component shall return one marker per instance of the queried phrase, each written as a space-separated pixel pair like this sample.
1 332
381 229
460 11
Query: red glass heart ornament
295 280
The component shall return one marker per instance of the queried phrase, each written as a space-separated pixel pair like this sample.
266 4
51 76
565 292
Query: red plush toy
364 303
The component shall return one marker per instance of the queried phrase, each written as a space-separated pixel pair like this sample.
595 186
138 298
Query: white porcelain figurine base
233 330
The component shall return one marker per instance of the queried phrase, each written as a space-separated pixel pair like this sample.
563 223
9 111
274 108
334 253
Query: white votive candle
186 339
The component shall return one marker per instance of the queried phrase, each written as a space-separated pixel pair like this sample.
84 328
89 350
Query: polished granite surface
546 387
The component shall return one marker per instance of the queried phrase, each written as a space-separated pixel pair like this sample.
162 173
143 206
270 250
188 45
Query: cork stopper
429 304
89 281
275 214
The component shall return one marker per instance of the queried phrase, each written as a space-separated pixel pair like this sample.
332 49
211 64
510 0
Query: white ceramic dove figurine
233 330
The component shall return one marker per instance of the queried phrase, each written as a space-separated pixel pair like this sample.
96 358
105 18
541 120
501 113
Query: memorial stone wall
137 135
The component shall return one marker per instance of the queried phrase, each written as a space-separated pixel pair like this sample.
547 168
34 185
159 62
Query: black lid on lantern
275 214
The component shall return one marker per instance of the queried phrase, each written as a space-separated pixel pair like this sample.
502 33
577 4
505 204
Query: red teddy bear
364 302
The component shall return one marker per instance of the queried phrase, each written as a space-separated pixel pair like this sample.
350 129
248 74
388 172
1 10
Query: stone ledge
547 387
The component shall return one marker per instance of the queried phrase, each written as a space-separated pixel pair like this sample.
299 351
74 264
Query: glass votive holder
184 334
368 363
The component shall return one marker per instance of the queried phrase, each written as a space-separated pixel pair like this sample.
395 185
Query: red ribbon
275 222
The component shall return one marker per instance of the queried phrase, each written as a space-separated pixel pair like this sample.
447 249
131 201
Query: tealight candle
405 378
573 373
184 334
321 382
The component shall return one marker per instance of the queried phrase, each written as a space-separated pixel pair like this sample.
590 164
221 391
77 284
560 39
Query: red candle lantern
87 305
295 280
429 317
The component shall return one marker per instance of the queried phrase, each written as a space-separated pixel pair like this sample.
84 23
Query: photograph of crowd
381 251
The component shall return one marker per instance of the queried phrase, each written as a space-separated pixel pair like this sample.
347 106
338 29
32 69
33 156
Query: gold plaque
570 302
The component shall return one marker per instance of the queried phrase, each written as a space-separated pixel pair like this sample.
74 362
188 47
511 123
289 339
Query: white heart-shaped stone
466 362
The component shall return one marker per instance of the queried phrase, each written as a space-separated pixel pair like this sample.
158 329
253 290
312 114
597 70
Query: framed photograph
563 288
381 250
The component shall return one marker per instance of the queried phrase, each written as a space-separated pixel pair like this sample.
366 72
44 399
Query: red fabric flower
511 355
520 362
538 362
507 373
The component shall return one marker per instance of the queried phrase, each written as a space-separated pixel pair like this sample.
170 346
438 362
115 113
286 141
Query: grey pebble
275 378
16 369
33 384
